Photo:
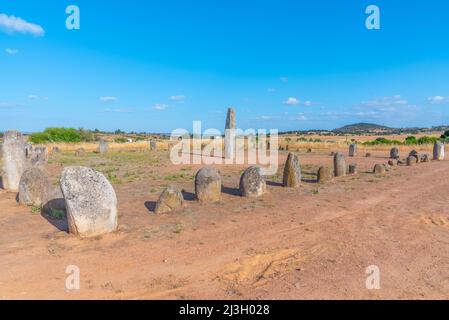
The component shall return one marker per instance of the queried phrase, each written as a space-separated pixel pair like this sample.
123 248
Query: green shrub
411 140
57 214
121 140
427 140
57 135
408 141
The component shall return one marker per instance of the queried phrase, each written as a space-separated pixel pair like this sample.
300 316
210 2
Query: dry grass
113 146
325 143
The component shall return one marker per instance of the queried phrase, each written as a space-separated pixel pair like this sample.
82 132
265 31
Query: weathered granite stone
14 160
170 200
353 150
438 151
208 185
292 172
379 169
230 132
353 169
33 187
91 202
252 183
103 146
339 165
394 153
325 174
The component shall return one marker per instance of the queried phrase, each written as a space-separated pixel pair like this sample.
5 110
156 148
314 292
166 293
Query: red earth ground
311 243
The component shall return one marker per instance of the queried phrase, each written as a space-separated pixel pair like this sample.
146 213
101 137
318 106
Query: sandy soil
311 243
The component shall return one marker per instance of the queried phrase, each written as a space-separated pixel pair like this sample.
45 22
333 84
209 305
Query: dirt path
315 243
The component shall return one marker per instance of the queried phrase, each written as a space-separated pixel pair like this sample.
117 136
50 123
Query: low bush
67 135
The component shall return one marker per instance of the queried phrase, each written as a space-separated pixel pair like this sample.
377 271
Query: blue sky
158 65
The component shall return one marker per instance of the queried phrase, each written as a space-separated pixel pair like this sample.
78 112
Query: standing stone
230 132
103 146
339 165
353 169
438 151
324 174
28 150
353 150
80 152
292 172
153 145
14 160
394 153
415 155
208 185
379 169
91 202
33 187
39 156
392 163
411 161
55 150
252 183
424 158
170 200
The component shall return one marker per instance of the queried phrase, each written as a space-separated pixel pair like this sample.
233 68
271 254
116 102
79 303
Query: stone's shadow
1 182
231 191
274 184
56 206
313 180
310 180
150 205
188 196
203 155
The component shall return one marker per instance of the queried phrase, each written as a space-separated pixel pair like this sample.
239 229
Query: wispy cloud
12 24
438 99
108 99
160 106
292 101
386 103
300 117
284 79
271 90
11 51
178 98
32 97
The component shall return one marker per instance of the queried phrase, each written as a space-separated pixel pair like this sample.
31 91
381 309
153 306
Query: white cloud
284 79
271 90
438 99
12 24
108 99
292 101
178 98
160 106
300 118
308 103
11 51
384 104
32 97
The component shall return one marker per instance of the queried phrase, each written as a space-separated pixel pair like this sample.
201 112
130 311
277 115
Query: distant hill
362 127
